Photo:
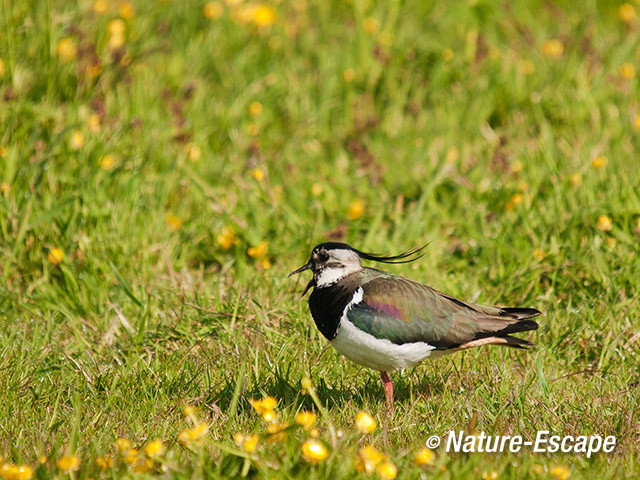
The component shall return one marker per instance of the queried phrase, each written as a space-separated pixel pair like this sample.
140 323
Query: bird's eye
323 257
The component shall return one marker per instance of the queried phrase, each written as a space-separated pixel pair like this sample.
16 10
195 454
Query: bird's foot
388 390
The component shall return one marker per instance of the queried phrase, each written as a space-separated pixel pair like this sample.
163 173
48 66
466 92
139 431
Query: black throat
327 305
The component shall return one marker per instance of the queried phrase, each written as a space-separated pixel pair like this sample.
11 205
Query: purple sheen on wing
385 308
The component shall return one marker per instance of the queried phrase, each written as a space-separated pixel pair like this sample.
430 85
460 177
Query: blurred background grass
164 165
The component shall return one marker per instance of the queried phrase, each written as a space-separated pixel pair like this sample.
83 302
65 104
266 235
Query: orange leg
388 390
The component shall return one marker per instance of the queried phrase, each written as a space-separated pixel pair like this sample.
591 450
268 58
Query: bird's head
332 261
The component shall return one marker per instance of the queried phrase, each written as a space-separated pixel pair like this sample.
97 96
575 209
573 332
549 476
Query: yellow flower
106 162
265 263
9 471
423 457
269 416
2 67
3 152
193 151
5 187
527 67
515 200
257 174
255 109
116 27
264 15
277 431
173 222
115 41
55 256
626 12
93 123
100 6
249 444
259 251
538 254
611 241
313 451
188 410
227 238
316 189
576 179
131 456
452 154
77 140
371 25
66 49
636 123
42 459
560 472
356 209
104 462
365 422
489 475
126 10
306 419
627 71
599 162
93 69
68 463
447 54
516 166
154 449
553 48
195 434
367 459
213 10
387 471
349 75
604 223
267 404
122 444
253 129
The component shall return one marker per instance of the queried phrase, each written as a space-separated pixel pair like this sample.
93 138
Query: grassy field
166 164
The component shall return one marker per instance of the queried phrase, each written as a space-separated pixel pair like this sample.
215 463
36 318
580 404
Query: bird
386 322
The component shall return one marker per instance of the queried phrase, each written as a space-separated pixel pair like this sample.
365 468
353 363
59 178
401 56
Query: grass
450 123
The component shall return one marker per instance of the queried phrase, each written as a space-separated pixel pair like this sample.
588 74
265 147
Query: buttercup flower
368 458
66 49
100 6
553 48
255 109
264 15
173 222
249 444
9 471
193 435
55 256
77 140
371 25
604 223
213 10
257 174
264 405
356 209
226 238
126 10
349 75
106 162
560 472
576 179
314 451
306 419
259 251
387 471
104 462
626 12
538 254
122 444
489 475
154 448
599 162
424 456
365 422
68 463
627 71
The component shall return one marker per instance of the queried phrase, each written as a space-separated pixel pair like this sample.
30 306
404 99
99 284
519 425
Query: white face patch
341 262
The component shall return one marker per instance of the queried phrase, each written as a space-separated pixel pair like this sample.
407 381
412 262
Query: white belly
372 352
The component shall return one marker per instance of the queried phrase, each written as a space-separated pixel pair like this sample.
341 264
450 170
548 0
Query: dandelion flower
66 49
599 162
365 422
265 263
55 256
154 448
306 419
264 405
277 431
226 238
77 140
553 48
131 456
193 435
106 162
173 222
259 251
314 451
188 410
122 444
115 41
68 463
423 457
515 200
626 12
604 223
356 209
255 109
213 10
371 25
489 475
538 254
126 10
576 179
387 471
264 15
627 71
104 462
560 472
8 471
116 27
316 189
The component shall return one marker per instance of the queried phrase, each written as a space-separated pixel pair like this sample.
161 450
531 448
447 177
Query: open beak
306 266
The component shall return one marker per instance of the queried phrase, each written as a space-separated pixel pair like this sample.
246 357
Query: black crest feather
407 256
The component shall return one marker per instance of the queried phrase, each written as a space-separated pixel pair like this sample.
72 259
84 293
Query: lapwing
386 322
